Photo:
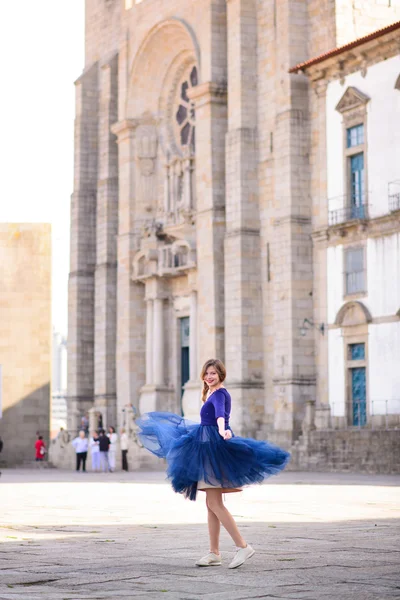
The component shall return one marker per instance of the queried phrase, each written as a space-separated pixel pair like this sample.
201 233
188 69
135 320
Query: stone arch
353 313
165 46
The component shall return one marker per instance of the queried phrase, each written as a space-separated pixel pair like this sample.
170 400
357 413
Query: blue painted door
359 399
357 186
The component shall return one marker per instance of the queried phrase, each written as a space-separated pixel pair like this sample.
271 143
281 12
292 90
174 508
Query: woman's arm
225 433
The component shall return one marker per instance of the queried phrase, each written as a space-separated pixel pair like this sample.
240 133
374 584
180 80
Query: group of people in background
103 449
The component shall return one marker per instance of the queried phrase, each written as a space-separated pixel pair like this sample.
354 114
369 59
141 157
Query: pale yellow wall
25 337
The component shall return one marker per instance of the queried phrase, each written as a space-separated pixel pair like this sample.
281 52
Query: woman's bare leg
214 527
216 505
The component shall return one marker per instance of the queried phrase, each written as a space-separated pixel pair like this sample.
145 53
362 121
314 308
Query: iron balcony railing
346 212
394 202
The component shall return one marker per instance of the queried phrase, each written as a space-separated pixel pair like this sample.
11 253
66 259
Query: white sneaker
241 556
210 560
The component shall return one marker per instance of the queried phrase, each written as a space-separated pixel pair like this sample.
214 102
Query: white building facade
356 231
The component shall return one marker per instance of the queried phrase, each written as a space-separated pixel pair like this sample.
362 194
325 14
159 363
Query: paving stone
74 548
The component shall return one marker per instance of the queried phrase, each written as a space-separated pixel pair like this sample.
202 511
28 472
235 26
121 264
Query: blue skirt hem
197 452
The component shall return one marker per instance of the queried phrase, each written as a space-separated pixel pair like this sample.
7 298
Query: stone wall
25 337
361 450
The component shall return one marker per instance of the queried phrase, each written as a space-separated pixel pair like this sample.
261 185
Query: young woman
112 453
95 451
210 458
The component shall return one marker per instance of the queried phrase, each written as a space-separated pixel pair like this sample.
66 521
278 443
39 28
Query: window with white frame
355 280
353 108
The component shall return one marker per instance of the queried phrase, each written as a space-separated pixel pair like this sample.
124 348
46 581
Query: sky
43 54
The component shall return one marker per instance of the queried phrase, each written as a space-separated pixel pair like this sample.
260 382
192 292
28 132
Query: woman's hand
224 433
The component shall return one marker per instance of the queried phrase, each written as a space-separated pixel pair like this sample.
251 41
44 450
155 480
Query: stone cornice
293 220
301 380
353 231
242 231
208 92
373 321
246 385
350 61
125 127
110 60
87 73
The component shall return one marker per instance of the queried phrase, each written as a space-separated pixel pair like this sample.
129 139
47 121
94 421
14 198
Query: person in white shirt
124 449
81 445
95 451
112 453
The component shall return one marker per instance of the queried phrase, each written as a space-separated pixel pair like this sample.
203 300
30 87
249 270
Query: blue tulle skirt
198 453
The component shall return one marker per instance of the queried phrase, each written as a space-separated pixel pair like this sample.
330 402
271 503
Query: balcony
394 195
346 212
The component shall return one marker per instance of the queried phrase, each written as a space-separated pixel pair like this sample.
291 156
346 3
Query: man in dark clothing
104 445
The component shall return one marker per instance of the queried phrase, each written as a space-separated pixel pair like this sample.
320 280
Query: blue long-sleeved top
217 405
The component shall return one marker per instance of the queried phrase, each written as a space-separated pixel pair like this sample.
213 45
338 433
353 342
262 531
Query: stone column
106 256
131 310
149 342
155 394
158 342
81 294
194 374
291 248
210 100
320 242
191 396
243 304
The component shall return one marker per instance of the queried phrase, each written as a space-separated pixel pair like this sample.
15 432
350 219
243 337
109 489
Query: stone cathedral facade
192 206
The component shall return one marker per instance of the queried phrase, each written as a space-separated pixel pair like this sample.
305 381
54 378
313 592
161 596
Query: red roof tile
335 51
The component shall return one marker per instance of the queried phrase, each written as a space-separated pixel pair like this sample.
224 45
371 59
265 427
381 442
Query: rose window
185 114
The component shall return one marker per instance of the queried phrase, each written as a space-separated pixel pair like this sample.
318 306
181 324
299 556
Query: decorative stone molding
353 313
356 230
351 99
209 92
124 128
164 260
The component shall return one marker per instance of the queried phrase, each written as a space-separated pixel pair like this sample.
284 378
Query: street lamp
309 323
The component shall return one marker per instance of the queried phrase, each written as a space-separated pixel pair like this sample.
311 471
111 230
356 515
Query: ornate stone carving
352 98
353 313
146 155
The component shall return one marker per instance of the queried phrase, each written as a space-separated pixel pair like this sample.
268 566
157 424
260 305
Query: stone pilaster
291 249
320 215
210 100
131 310
149 341
191 395
243 315
83 250
158 342
193 339
106 255
155 394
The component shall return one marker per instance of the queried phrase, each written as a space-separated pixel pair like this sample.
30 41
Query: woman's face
211 377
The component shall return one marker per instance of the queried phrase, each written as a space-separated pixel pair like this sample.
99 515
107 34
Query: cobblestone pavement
70 536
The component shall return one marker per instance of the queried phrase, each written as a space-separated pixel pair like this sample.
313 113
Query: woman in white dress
112 453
